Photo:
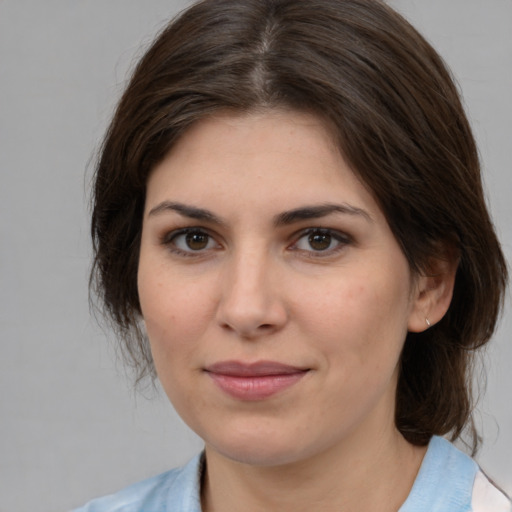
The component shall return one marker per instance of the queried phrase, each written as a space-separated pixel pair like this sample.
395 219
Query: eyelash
169 240
341 239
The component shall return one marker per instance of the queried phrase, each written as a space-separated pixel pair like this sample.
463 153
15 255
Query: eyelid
341 237
168 238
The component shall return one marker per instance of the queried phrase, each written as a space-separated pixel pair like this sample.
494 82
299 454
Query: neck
362 474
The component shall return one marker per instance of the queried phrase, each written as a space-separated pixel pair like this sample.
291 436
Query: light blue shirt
444 484
177 490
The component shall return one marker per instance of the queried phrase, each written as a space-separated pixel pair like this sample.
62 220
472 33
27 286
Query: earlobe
433 294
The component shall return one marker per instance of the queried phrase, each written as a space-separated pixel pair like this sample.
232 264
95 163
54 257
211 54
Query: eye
189 241
318 240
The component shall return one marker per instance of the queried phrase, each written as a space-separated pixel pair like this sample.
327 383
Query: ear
433 292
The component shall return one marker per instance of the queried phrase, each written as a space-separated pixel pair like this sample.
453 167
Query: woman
289 227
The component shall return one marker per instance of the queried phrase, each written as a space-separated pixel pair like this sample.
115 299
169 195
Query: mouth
254 381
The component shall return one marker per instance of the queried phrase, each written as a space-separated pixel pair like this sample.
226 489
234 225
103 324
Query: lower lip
256 387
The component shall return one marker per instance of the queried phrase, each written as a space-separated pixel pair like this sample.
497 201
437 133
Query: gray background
71 427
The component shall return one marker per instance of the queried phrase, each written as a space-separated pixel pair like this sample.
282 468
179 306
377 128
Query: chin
265 450
257 455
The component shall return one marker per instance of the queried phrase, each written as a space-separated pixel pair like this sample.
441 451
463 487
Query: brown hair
396 114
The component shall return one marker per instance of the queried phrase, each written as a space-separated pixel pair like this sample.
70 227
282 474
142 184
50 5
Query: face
275 297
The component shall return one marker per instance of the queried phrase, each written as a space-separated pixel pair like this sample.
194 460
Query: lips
254 381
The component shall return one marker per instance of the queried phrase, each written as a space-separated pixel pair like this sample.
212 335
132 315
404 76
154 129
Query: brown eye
320 241
190 242
197 241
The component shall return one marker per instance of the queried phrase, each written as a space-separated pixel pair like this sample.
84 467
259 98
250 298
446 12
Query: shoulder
177 488
487 497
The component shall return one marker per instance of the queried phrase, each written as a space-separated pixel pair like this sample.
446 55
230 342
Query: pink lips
255 381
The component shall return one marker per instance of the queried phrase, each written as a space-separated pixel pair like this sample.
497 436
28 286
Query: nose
251 303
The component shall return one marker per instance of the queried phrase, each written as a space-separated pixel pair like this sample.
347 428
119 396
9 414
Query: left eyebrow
318 211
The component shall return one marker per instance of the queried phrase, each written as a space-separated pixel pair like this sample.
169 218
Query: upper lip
257 369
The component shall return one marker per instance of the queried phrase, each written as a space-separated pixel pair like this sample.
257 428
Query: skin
249 283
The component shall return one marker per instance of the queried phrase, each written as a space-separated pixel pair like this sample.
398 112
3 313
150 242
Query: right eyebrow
186 211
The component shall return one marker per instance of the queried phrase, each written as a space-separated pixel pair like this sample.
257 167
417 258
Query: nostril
247 331
250 318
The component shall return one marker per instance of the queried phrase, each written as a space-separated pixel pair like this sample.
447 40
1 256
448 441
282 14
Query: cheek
175 313
173 325
360 317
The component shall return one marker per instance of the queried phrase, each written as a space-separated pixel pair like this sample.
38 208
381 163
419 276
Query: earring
141 325
427 321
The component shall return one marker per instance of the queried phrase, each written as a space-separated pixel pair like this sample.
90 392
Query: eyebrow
282 219
186 211
318 211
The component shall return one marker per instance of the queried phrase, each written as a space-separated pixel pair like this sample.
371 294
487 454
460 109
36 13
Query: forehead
271 153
